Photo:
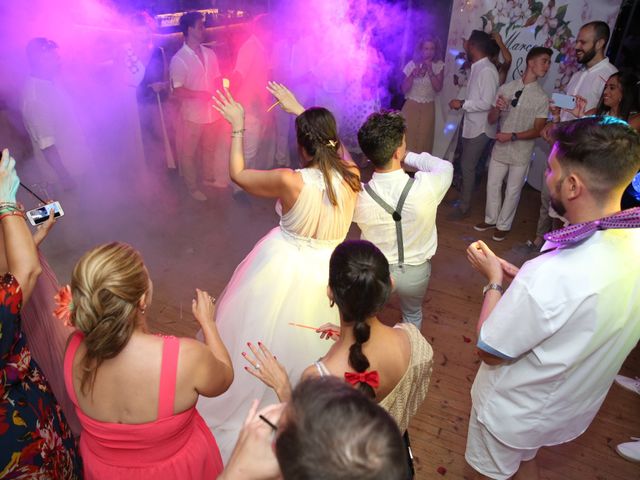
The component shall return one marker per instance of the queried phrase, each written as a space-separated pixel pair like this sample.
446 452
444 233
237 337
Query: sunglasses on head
514 102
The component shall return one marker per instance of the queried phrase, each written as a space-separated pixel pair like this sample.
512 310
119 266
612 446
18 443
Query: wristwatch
514 137
492 286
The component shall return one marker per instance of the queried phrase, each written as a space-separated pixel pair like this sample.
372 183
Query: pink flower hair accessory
64 305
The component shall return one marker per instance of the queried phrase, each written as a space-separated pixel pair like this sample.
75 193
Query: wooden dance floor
188 244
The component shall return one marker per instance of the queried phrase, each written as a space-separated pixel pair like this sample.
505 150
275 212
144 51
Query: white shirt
187 71
253 65
421 89
569 319
41 104
589 83
419 233
481 93
533 103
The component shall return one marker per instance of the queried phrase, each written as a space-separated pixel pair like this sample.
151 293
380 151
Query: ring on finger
212 299
257 366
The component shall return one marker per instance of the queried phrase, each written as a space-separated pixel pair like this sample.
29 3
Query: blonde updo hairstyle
107 285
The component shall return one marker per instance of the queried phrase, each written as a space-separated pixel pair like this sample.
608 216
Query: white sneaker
632 384
198 195
630 450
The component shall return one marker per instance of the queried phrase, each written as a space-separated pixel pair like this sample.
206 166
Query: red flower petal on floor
466 339
441 470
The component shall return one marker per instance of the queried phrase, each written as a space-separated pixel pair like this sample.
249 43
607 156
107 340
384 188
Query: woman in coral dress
135 393
284 278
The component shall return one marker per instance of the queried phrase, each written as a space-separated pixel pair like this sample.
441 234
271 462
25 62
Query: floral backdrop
522 24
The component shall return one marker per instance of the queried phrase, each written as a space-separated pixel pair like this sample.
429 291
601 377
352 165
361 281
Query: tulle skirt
47 339
284 279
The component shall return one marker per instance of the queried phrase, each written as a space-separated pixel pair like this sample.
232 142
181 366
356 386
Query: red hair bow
371 378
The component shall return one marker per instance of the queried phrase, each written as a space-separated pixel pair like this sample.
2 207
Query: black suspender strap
395 213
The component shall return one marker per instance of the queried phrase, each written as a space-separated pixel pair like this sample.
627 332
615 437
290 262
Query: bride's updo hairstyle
317 135
107 285
361 284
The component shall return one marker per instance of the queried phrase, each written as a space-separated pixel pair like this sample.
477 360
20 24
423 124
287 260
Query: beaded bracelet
12 205
15 213
238 131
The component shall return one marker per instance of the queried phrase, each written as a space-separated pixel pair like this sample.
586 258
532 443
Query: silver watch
492 286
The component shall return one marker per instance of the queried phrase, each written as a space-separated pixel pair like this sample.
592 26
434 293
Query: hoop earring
331 303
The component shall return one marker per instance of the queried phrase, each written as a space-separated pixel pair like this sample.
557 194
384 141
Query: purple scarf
576 233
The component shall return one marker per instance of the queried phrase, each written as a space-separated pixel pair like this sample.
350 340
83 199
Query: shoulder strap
322 370
395 213
168 376
69 355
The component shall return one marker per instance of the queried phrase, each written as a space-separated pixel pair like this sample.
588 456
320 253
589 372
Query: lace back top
403 401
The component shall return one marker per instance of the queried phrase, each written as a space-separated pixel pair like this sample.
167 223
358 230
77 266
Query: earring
331 303
143 309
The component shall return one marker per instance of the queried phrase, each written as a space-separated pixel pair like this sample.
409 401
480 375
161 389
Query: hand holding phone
567 102
41 214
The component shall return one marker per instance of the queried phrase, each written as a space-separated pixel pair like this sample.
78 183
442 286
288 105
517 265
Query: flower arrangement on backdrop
548 22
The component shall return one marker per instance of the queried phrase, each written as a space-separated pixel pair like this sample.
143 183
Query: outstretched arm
20 251
287 100
281 183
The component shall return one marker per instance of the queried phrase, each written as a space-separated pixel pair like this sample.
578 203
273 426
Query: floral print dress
35 440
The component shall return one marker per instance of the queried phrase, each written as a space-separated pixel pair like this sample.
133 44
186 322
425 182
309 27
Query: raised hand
203 307
231 110
253 456
9 181
44 228
485 261
265 367
288 101
578 110
501 103
329 331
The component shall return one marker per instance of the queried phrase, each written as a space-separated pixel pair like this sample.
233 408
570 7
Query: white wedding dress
284 279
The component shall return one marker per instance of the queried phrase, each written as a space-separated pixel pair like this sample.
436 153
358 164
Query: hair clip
332 143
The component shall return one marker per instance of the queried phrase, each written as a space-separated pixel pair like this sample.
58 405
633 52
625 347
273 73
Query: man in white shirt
588 83
523 107
45 106
248 80
195 76
405 229
553 344
476 129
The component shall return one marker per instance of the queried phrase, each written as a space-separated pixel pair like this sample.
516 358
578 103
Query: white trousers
501 212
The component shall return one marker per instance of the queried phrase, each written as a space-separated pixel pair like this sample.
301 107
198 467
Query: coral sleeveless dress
175 446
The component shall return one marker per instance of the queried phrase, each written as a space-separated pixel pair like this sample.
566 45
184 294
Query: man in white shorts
553 344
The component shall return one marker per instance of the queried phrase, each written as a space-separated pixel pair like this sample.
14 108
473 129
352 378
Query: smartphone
564 101
41 214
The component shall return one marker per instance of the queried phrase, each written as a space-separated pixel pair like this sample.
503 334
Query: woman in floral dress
35 440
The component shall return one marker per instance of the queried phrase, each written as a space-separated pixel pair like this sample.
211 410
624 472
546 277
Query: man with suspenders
398 213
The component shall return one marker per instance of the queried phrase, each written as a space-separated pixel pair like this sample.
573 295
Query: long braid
360 282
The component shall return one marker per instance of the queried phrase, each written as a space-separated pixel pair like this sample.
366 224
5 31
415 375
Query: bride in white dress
284 279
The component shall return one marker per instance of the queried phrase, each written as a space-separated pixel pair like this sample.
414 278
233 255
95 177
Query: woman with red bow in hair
391 365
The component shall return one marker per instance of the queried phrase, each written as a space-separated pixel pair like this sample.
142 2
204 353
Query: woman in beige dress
423 78
389 364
